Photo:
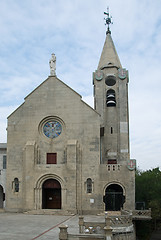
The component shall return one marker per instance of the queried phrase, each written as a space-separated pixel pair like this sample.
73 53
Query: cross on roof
108 20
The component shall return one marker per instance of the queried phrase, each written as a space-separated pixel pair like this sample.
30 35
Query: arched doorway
114 198
51 194
1 196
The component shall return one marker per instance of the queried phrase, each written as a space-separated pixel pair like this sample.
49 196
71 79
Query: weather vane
108 20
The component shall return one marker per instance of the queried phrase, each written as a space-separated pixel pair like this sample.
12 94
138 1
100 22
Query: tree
148 190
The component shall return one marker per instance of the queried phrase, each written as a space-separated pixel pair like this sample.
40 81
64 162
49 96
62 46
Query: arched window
110 98
89 185
16 185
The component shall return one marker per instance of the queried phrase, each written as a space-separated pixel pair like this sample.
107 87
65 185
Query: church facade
64 155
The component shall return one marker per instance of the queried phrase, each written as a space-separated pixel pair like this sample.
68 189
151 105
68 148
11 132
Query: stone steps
110 213
49 212
114 213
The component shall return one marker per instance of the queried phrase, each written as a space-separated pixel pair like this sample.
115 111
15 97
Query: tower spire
109 53
108 21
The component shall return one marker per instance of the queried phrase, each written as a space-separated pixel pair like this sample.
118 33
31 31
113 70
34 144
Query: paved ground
21 226
29 227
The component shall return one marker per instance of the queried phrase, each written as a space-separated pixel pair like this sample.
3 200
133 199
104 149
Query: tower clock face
52 129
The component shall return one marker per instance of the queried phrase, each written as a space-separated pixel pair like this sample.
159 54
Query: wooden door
53 198
51 194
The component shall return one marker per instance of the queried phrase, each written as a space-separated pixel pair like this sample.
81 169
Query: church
65 156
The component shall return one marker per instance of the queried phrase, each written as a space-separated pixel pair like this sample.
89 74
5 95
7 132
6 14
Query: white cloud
4 113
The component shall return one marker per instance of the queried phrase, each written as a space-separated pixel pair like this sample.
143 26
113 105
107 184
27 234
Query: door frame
122 192
38 190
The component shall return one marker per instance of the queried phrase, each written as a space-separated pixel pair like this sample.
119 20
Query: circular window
52 129
110 80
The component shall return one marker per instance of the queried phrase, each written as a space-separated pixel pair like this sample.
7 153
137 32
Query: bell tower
110 82
111 102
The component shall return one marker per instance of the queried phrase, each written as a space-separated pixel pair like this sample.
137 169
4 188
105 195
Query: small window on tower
101 131
51 158
89 185
16 185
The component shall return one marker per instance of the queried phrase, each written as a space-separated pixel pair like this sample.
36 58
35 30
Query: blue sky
74 30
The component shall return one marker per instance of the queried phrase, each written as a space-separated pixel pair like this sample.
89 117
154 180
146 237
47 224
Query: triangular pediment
55 92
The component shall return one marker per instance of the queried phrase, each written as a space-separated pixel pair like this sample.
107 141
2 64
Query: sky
31 30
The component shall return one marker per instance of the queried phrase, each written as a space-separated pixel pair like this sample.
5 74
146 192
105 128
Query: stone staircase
49 212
